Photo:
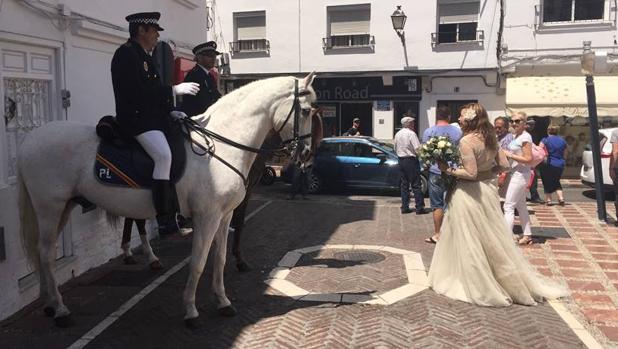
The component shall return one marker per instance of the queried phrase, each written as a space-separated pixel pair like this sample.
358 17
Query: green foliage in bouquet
440 149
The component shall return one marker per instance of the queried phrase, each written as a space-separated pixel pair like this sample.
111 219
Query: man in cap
406 144
205 55
144 109
353 131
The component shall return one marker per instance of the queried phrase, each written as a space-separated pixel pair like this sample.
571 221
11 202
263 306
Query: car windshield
387 146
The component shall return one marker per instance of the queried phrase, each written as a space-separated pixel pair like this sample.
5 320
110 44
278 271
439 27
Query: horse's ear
309 79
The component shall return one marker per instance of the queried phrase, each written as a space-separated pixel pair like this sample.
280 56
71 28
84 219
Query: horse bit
290 145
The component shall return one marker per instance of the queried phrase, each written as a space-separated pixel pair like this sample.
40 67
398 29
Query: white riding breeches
155 144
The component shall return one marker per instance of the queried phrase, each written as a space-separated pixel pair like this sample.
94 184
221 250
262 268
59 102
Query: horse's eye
306 111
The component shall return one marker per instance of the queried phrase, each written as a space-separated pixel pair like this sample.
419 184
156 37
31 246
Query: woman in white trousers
519 154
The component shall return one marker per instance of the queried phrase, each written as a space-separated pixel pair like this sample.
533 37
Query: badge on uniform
145 66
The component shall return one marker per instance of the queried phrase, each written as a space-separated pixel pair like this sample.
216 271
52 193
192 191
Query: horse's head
293 119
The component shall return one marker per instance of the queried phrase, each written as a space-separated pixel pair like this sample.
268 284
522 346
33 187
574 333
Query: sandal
561 202
548 203
431 240
525 240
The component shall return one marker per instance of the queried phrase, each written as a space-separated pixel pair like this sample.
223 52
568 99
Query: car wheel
314 183
269 176
424 186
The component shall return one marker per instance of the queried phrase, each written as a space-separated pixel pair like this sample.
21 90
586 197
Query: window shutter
251 28
458 12
349 22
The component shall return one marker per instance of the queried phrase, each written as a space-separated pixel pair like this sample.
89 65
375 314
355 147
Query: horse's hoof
243 266
156 265
192 324
64 321
49 311
228 311
130 260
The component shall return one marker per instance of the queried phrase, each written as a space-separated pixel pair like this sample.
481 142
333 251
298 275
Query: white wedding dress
476 259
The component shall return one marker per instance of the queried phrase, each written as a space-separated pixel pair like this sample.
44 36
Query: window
573 10
457 21
348 26
250 32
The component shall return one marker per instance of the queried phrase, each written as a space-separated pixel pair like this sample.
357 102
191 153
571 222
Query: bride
476 260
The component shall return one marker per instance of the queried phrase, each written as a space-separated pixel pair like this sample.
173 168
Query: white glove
178 115
186 88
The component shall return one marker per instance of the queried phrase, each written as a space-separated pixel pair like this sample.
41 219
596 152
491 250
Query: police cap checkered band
151 18
207 46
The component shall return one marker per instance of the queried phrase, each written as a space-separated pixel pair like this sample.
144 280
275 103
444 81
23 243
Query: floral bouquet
437 149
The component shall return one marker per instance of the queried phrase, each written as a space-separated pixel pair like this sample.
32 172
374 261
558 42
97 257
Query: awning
560 95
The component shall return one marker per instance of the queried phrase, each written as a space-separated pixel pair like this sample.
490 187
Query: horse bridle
290 144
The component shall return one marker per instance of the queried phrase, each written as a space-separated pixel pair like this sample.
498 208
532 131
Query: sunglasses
516 121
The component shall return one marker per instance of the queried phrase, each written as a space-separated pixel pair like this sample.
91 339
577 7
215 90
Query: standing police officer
205 55
144 109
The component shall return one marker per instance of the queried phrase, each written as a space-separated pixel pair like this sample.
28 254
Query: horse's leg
238 222
204 229
48 308
49 222
126 242
153 260
220 244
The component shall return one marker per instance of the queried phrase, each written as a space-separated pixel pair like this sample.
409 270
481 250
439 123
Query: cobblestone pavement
269 319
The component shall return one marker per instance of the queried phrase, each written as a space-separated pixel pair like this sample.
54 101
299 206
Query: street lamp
587 62
399 21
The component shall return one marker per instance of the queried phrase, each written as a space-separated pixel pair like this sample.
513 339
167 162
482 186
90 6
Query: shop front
379 102
562 101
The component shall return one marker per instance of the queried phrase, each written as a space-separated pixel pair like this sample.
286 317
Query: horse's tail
28 223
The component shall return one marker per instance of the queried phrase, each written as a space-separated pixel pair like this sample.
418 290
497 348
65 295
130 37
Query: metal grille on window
26 106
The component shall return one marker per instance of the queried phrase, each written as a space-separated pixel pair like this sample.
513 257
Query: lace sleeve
469 169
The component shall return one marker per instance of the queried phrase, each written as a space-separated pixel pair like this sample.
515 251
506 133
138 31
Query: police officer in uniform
144 109
205 55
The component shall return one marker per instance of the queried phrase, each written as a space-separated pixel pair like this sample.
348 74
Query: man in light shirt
406 144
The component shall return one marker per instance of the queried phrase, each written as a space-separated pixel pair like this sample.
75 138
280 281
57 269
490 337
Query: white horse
56 164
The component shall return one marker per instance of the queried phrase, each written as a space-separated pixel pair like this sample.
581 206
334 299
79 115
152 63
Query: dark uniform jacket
143 103
208 95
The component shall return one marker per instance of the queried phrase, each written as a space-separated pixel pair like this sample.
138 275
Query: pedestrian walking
520 154
551 172
534 191
437 188
406 144
501 126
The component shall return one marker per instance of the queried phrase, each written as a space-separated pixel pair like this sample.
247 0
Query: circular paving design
370 274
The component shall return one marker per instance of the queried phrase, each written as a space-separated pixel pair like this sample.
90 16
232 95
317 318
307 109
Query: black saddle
122 162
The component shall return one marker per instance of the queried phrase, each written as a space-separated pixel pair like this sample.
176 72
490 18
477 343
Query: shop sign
367 88
382 105
328 111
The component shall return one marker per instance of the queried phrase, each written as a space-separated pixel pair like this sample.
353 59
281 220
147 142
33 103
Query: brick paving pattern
327 272
266 319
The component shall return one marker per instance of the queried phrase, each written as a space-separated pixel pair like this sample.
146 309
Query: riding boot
165 202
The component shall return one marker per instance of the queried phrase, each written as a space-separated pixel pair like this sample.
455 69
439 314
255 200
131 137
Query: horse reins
208 136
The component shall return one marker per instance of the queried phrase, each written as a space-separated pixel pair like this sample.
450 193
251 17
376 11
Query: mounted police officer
144 108
205 56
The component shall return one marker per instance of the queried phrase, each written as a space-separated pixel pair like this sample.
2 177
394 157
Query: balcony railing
441 38
258 45
348 41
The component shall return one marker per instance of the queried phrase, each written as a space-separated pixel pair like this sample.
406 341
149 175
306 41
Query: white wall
83 52
282 25
553 45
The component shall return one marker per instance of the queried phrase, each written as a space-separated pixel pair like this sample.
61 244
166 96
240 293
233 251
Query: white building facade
55 65
447 56
540 61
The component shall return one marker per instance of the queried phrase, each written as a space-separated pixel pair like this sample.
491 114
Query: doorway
363 111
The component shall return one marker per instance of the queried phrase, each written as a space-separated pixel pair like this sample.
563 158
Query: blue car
353 162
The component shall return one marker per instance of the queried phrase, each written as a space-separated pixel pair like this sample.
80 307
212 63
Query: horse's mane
251 91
